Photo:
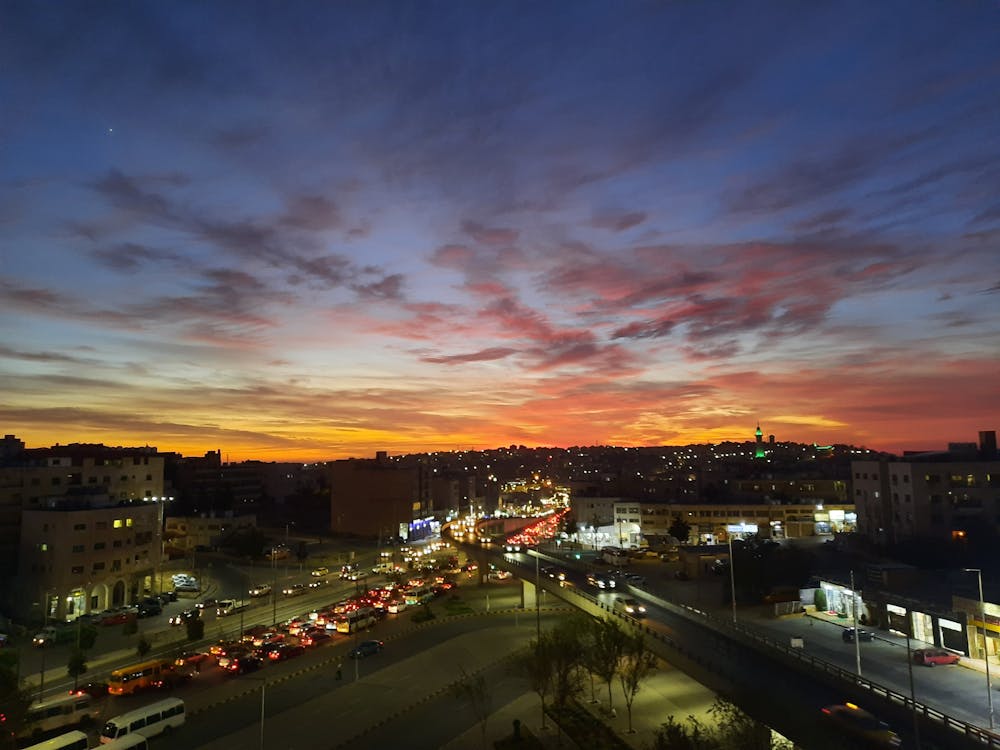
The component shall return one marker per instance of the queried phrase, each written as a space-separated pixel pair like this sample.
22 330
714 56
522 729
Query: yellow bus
137 676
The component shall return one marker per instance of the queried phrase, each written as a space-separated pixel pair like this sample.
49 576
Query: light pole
913 694
538 592
732 575
986 651
857 636
45 623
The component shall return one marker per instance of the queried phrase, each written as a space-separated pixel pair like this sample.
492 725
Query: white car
629 606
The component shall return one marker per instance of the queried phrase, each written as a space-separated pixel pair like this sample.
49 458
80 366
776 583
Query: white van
229 606
147 721
70 741
128 742
73 710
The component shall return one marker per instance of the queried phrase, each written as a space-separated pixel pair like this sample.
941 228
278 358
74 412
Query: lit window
128 522
117 523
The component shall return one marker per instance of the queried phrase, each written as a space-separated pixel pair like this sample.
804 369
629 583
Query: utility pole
857 635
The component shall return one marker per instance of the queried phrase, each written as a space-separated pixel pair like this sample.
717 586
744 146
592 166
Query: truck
230 606
50 636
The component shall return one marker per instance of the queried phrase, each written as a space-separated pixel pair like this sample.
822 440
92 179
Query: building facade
378 498
943 496
86 553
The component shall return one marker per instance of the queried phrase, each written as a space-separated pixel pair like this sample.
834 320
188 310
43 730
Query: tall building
30 477
380 498
85 553
934 495
759 451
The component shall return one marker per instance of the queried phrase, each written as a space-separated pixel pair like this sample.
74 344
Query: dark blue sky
318 229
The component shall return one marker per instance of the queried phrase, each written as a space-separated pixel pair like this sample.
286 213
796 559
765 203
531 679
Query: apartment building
85 552
380 498
945 495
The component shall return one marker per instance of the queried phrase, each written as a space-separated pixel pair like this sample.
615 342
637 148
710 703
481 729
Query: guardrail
763 643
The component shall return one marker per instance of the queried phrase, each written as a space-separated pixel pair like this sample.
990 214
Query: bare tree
634 666
608 643
535 663
477 691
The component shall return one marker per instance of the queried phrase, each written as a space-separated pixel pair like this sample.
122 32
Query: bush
423 614
585 729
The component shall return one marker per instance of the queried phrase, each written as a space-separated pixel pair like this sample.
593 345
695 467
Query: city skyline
318 231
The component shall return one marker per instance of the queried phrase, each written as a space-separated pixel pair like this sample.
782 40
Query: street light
857 635
986 651
732 575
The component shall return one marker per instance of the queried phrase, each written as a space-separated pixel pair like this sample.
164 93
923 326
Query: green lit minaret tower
759 451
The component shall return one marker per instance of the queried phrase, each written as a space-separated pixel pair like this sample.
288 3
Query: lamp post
913 694
986 652
538 592
732 574
857 636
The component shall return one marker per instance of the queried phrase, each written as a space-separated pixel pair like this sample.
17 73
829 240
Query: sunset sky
311 230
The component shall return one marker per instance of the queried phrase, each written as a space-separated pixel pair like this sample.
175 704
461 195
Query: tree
535 663
86 637
729 729
143 647
737 729
680 530
635 665
479 694
566 659
608 644
77 665
15 698
195 628
819 599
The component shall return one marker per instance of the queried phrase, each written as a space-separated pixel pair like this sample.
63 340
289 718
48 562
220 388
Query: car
191 657
243 664
230 655
261 589
861 725
366 648
318 583
322 570
629 606
207 603
635 579
94 689
286 651
395 606
930 657
118 618
295 589
182 617
314 637
863 635
167 596
150 607
264 650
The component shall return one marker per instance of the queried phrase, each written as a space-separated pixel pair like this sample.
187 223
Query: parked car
119 617
930 657
863 635
366 648
861 725
149 607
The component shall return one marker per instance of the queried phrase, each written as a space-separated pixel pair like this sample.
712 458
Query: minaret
759 451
